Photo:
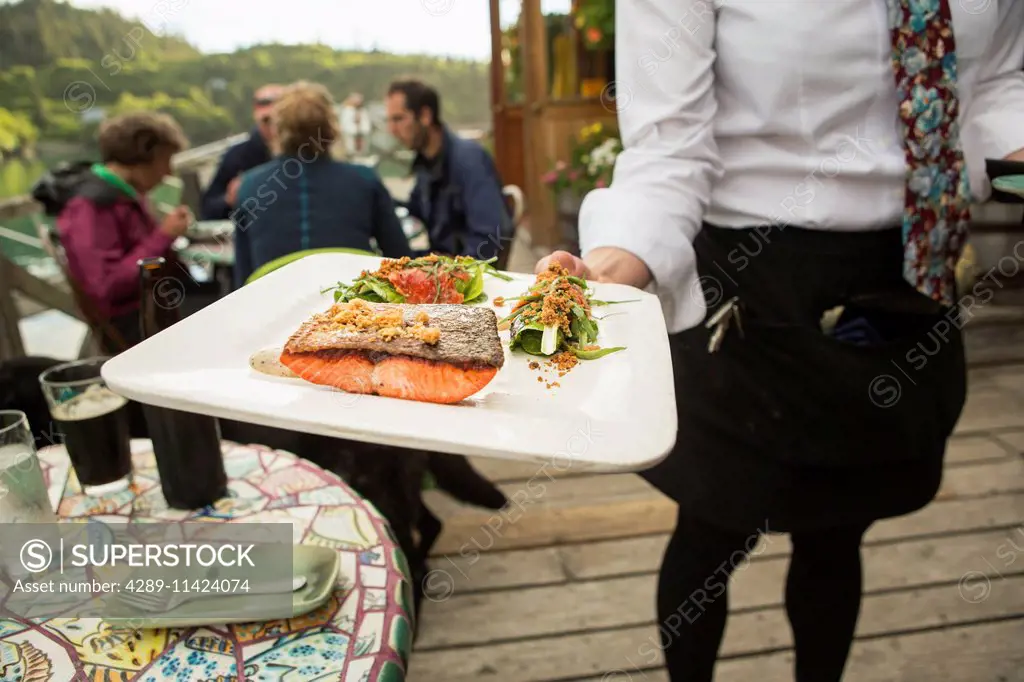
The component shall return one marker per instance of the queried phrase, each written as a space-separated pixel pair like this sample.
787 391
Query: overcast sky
442 27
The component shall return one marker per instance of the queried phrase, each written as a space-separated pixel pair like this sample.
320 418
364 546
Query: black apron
787 428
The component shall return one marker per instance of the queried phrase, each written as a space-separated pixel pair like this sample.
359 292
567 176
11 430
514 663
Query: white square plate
617 412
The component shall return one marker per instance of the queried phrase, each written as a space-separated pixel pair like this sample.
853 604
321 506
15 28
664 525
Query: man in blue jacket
457 194
219 199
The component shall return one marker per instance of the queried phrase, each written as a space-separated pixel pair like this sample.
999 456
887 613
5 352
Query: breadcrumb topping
555 308
564 361
389 265
386 323
560 364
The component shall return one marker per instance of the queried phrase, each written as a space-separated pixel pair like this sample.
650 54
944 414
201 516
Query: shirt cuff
608 220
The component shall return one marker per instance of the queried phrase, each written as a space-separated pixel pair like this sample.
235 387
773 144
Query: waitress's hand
606 264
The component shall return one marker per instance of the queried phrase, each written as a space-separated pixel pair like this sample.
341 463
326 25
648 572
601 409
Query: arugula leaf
587 327
578 281
530 342
514 315
520 324
528 335
384 291
577 330
527 297
493 271
595 302
594 354
475 286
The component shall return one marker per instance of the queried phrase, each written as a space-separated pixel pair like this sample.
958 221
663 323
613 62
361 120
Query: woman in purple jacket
107 226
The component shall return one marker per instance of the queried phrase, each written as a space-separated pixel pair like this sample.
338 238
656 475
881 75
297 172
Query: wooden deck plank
598 521
469 618
577 604
555 657
991 408
973 449
597 560
981 480
979 653
962 449
507 470
475 571
623 505
549 511
1012 440
1009 377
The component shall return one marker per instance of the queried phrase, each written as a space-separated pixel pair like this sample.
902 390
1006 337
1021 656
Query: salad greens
555 315
428 279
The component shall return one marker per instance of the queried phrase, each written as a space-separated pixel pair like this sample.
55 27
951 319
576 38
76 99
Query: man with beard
457 194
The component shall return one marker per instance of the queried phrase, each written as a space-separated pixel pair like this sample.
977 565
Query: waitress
796 188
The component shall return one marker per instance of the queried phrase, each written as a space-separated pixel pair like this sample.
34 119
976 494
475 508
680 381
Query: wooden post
11 345
535 81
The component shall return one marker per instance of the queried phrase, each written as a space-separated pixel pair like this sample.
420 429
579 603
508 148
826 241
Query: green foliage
59 64
39 32
16 131
591 164
596 21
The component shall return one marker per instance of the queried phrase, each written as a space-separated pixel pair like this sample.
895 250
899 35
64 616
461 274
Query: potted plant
589 167
595 20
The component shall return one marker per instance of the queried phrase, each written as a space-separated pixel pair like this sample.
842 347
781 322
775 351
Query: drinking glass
23 495
94 422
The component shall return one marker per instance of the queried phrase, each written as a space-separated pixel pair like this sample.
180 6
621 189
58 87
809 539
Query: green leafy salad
429 279
555 316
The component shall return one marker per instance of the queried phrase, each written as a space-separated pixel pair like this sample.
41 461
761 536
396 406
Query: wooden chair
101 331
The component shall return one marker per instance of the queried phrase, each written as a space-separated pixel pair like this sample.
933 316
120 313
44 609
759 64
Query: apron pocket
822 402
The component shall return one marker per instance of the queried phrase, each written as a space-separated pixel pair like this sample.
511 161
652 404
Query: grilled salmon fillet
439 353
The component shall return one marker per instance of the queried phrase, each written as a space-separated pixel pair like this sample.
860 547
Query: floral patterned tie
937 209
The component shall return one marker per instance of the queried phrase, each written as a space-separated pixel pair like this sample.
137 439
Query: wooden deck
564 590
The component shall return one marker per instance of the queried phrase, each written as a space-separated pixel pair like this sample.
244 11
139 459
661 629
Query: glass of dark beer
93 421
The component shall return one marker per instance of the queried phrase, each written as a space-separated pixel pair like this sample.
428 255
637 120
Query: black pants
823 594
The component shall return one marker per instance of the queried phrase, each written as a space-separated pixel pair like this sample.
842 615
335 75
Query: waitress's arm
993 121
663 178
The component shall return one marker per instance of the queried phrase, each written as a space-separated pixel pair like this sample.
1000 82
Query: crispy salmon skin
440 353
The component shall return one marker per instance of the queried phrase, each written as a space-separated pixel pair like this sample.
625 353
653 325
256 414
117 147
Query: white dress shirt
745 113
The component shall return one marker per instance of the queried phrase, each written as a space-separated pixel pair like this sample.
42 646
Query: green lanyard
114 179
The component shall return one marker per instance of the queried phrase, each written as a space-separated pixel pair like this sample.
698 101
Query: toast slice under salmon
439 353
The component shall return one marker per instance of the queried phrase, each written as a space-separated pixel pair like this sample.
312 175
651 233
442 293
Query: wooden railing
53 292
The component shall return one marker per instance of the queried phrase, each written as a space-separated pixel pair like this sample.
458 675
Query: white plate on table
210 230
617 412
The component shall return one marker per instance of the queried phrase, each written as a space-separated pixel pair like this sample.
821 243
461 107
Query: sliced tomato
419 286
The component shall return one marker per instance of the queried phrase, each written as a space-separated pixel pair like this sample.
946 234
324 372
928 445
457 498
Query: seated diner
108 225
303 199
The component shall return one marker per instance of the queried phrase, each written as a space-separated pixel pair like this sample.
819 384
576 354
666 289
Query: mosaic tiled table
362 634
